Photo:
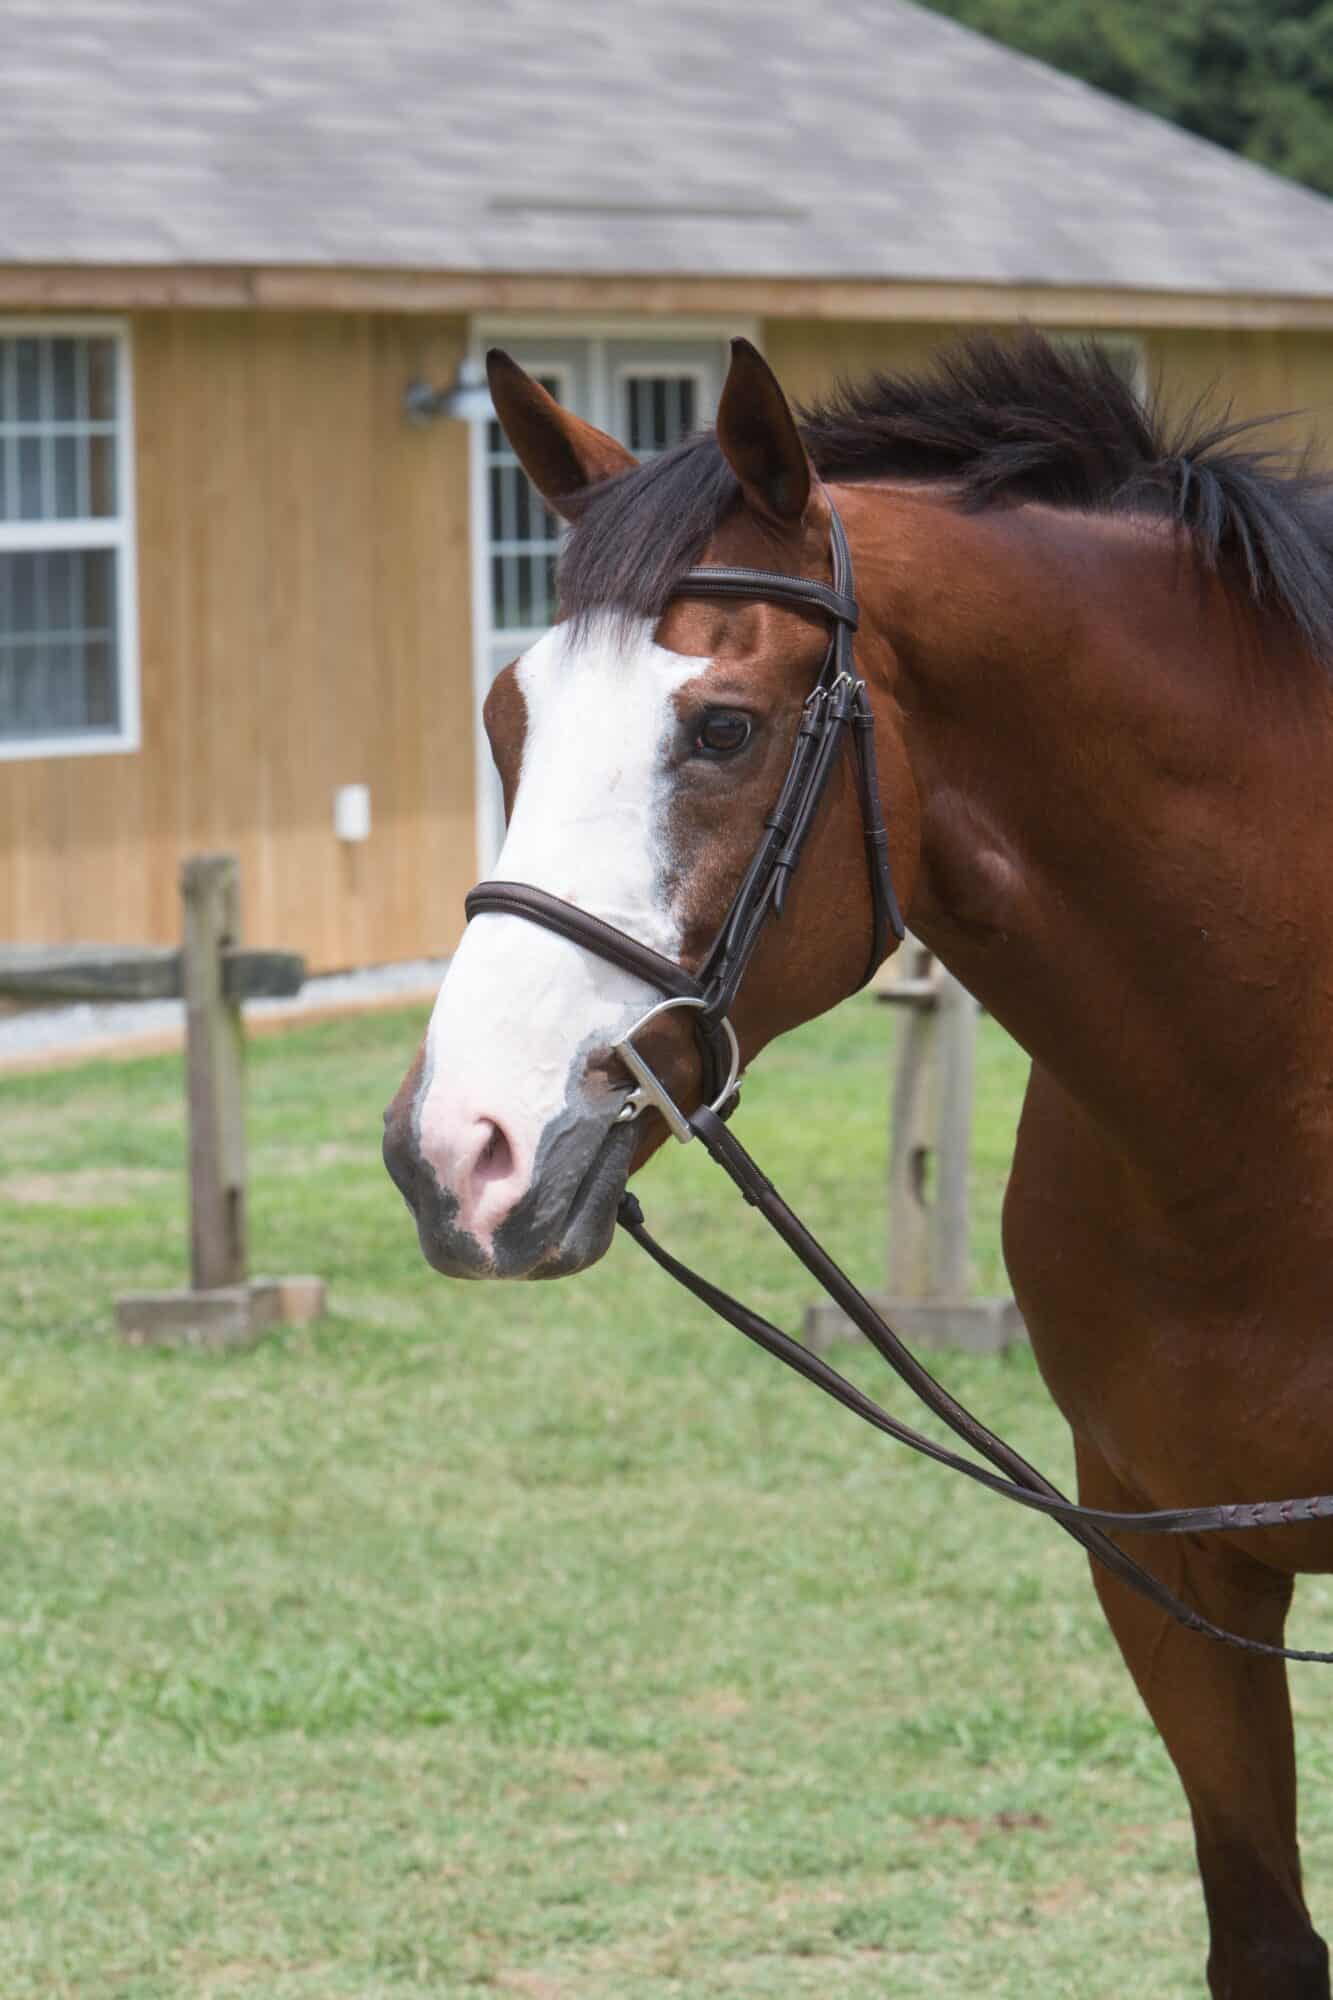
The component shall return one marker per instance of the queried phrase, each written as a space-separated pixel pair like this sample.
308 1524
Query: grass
542 1641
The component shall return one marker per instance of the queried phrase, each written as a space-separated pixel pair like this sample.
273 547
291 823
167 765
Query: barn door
650 394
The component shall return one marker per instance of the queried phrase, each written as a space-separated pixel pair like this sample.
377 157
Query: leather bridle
838 702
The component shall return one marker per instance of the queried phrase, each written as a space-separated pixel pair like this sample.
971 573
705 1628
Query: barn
261 548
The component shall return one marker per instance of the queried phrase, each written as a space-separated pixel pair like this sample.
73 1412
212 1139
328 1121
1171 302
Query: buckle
651 1092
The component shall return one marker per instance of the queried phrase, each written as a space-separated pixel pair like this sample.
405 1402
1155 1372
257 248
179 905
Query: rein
838 702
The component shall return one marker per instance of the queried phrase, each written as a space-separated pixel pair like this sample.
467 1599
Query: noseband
837 702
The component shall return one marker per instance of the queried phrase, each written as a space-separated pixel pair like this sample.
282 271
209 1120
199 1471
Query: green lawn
544 1641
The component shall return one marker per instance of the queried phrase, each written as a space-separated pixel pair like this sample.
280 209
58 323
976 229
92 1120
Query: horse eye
722 732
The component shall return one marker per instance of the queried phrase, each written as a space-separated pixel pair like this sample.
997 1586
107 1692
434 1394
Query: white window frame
657 337
115 532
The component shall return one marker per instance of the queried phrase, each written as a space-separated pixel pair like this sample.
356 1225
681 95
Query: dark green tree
1252 75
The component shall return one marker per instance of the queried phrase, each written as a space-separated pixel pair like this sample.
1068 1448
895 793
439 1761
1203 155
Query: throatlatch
838 702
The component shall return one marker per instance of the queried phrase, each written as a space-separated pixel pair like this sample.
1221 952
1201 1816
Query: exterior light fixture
467 397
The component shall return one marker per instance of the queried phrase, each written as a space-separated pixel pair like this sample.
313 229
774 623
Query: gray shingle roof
860 139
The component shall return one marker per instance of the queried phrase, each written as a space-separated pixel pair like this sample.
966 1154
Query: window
648 391
68 673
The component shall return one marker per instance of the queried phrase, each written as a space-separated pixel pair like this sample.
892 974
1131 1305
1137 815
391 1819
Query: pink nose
478 1165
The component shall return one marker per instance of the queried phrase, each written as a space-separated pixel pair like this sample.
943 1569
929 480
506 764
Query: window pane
102 381
102 498
101 689
504 611
63 592
95 591
21 594
659 412
524 510
539 592
64 380
29 479
27 384
58 645
65 477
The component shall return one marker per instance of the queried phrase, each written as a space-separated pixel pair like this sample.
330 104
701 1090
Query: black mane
999 422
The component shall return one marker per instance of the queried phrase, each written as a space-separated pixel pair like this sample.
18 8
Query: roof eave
322 288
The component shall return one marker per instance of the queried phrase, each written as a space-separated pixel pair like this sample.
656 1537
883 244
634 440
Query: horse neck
1118 777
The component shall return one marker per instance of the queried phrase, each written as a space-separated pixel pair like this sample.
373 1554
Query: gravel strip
53 1029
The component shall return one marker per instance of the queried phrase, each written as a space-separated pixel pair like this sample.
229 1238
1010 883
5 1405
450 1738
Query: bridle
838 702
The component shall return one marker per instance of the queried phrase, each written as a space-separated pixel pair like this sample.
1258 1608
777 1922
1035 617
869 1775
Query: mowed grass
543 1640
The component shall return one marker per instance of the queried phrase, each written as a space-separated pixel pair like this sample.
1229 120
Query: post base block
230 1316
976 1326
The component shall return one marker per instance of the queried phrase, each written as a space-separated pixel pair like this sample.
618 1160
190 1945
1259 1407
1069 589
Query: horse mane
999 422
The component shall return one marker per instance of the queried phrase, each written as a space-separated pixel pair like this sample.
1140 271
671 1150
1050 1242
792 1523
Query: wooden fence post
950 1271
224 1306
928 1295
215 1073
911 1135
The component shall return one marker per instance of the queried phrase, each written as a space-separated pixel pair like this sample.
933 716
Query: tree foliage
1253 75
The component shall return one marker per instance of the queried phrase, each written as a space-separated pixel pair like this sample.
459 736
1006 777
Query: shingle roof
867 139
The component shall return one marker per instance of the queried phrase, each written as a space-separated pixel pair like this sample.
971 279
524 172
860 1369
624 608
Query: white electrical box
351 812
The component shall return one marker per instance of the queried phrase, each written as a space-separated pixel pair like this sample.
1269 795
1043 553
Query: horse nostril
495 1162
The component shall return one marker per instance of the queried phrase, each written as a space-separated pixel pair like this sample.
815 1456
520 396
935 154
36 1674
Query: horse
1097 650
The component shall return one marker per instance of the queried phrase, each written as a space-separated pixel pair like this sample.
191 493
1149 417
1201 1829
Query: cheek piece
837 703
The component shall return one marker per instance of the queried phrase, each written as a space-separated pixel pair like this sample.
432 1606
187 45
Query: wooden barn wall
1261 374
304 604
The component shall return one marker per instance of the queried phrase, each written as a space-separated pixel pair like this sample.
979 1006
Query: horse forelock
633 537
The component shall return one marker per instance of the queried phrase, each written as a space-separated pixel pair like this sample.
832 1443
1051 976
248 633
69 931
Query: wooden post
950 1274
911 1134
224 1306
215 1073
928 1297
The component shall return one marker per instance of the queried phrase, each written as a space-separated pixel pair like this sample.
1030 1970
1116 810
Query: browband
802 593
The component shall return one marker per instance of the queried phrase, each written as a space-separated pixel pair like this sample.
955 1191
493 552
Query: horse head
641 744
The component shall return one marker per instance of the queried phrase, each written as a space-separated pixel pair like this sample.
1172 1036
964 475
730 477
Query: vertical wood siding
305 623
1287 375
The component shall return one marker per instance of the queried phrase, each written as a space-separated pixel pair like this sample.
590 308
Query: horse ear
559 452
759 438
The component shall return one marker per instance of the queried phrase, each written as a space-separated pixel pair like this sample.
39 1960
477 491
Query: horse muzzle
480 1215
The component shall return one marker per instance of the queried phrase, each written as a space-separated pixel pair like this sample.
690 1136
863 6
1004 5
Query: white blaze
519 1005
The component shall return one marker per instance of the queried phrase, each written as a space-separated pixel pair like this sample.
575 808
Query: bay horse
1097 656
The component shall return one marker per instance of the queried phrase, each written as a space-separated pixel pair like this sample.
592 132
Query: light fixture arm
467 398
